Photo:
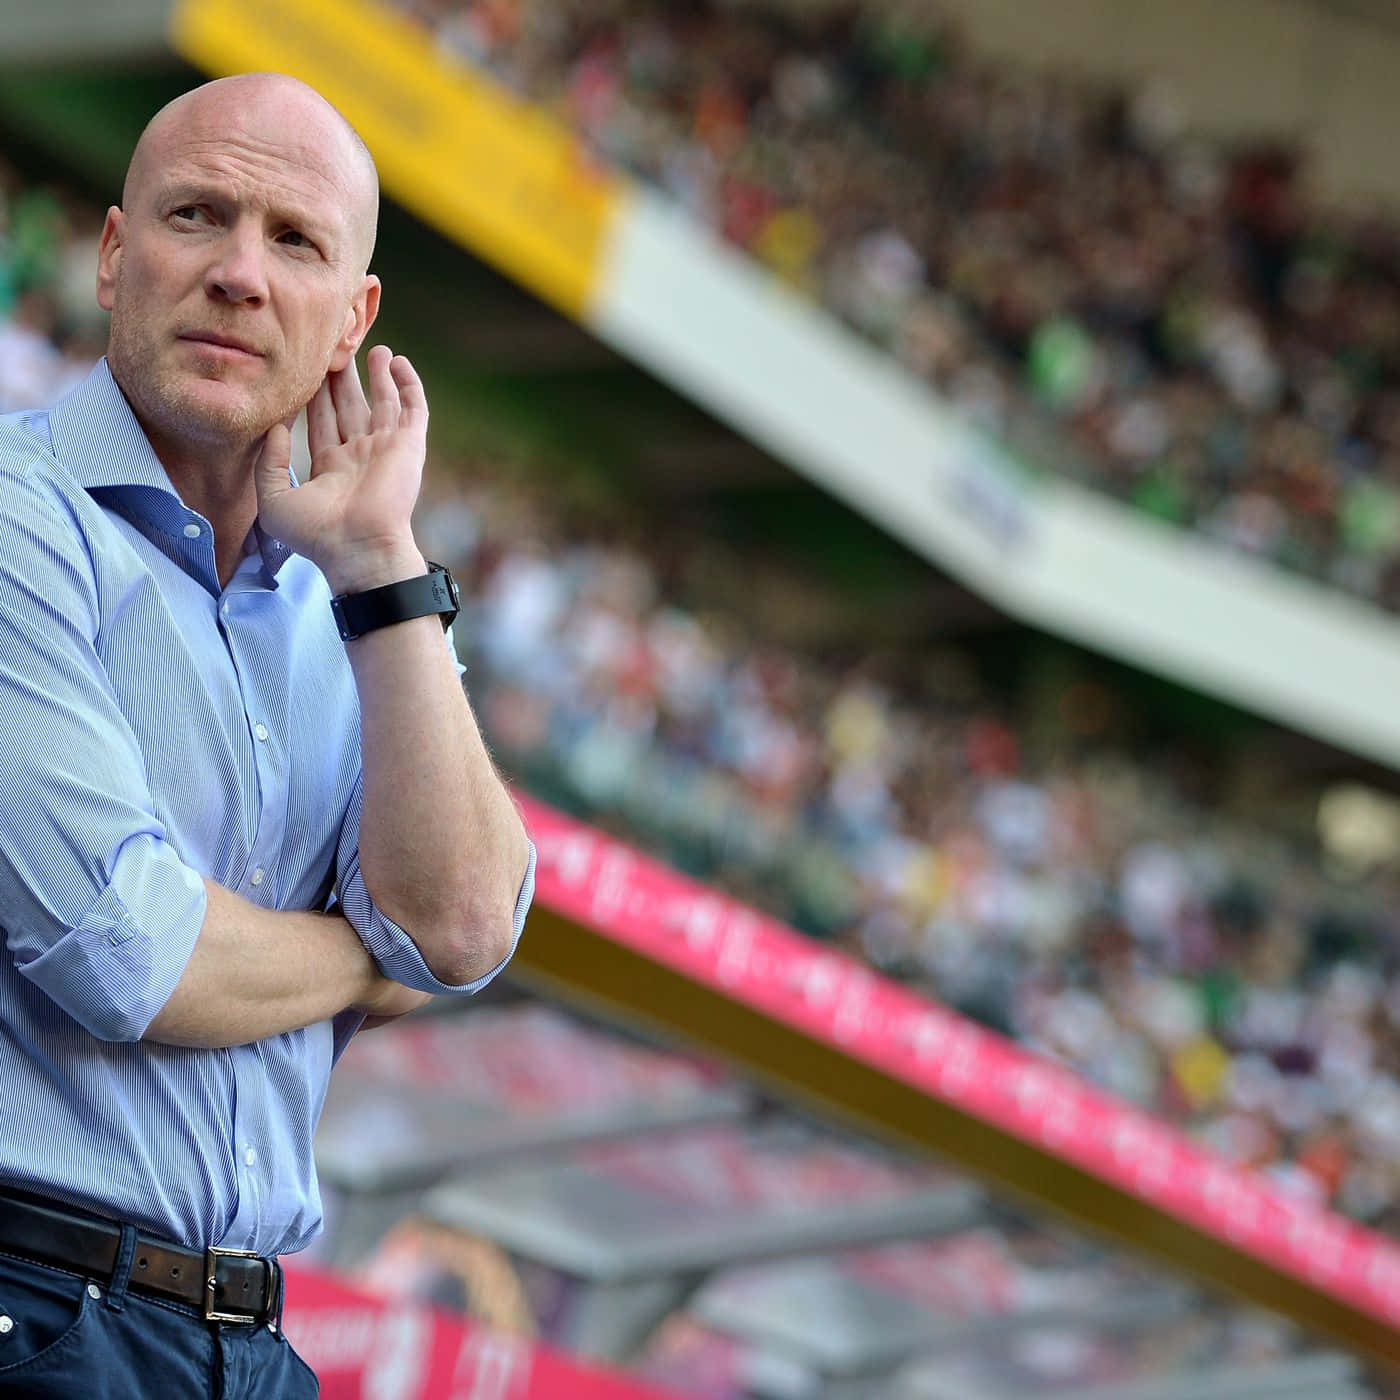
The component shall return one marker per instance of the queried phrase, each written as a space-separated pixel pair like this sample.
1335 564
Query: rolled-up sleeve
391 947
97 908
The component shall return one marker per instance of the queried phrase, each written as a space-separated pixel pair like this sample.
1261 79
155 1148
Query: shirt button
192 531
261 731
250 1157
258 876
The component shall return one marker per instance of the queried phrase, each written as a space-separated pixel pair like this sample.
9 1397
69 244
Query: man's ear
358 319
109 257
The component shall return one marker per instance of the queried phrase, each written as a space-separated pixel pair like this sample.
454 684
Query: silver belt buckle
211 1285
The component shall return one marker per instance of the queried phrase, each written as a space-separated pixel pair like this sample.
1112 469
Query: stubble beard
177 404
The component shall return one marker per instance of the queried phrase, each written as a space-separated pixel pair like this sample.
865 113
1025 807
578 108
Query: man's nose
238 272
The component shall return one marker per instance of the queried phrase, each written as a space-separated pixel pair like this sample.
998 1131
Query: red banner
368 1348
719 942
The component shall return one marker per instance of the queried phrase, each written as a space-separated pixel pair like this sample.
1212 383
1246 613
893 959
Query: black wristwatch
433 592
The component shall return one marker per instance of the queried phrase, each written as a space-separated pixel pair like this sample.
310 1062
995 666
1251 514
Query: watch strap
433 592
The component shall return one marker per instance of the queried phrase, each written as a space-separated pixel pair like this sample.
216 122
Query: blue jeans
62 1342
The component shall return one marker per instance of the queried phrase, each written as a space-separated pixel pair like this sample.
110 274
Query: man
235 825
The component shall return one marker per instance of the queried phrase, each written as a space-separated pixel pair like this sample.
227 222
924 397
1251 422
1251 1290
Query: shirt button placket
261 733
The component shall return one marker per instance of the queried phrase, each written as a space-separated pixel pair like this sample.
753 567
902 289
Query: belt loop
277 1283
121 1270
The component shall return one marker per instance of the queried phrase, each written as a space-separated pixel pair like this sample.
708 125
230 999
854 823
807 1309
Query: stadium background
805 389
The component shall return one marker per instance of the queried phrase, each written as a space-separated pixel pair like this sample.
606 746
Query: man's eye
294 238
190 214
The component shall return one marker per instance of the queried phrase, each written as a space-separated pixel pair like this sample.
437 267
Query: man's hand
390 999
352 517
257 972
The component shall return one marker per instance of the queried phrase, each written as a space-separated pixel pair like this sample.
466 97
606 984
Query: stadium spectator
51 331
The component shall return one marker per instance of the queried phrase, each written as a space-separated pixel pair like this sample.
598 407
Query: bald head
311 128
236 268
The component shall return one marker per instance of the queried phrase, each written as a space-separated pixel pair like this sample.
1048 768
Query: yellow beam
484 167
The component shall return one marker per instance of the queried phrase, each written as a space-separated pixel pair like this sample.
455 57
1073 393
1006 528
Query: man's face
235 273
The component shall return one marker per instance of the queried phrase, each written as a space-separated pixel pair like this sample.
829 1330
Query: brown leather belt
227 1285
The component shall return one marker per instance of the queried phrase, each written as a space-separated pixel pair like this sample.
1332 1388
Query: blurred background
926 478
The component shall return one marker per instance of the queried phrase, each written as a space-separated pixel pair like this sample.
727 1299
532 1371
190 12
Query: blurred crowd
51 331
1072 266
1041 874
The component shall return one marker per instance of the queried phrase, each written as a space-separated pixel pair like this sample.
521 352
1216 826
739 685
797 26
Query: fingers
340 411
384 391
413 402
322 430
270 472
397 397
352 411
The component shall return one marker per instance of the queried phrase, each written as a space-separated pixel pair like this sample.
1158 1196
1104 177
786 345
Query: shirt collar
97 438
102 446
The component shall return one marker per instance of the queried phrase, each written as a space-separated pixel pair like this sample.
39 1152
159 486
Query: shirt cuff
395 952
115 969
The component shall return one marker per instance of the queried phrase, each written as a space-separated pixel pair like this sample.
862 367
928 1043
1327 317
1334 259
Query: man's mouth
217 341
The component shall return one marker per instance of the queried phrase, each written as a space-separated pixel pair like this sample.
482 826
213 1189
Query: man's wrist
373 568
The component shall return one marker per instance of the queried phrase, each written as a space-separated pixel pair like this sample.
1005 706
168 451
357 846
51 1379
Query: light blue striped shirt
156 729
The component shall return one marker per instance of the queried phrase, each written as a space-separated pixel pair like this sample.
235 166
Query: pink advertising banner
364 1347
719 942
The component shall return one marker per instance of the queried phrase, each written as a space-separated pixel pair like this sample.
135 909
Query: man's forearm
442 848
442 851
257 972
